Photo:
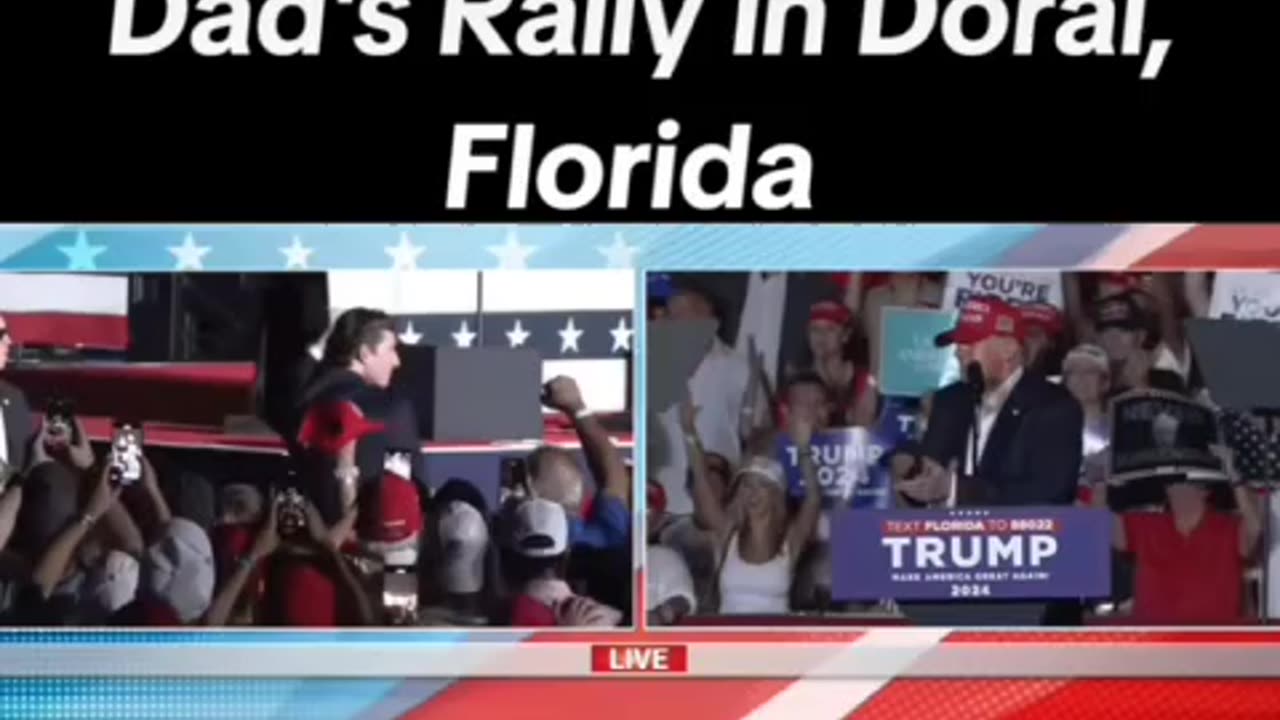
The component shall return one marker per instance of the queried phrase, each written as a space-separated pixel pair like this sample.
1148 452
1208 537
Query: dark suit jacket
1033 454
18 423
1032 457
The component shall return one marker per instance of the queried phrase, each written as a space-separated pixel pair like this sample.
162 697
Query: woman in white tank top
761 546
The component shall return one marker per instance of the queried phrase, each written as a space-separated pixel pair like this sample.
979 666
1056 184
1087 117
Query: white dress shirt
992 403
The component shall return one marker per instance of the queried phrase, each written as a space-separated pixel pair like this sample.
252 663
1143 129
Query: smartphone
126 453
291 513
400 594
59 417
398 461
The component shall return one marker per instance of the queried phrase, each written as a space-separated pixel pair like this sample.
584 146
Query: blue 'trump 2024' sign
997 553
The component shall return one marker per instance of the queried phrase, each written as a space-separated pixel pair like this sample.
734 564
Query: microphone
973 376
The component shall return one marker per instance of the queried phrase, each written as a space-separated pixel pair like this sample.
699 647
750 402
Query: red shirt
1194 579
527 611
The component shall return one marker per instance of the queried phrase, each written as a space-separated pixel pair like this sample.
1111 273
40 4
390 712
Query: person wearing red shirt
1190 558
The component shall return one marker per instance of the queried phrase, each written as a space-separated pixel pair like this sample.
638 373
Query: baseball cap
1118 311
1089 356
331 426
541 529
982 318
1044 316
390 516
660 287
831 312
464 535
179 569
764 468
113 583
1127 281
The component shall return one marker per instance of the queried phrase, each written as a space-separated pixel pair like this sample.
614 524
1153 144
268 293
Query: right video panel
962 448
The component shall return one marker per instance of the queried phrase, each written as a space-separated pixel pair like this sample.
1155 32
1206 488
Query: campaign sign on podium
1008 553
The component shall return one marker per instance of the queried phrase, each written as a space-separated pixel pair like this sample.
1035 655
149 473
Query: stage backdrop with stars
579 321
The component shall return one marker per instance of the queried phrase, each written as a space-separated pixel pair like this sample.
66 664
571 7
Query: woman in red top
1190 558
831 358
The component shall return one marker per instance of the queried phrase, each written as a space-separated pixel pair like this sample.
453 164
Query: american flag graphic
67 310
580 321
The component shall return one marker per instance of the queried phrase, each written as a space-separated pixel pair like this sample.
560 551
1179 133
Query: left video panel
316 449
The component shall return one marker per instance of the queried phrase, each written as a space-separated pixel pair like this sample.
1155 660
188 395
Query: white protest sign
1016 288
1246 296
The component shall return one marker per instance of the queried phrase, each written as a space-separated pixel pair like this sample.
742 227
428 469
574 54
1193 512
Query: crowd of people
352 535
731 534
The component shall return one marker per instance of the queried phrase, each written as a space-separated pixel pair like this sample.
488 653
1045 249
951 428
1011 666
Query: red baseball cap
331 426
390 511
982 318
1047 317
829 311
1125 281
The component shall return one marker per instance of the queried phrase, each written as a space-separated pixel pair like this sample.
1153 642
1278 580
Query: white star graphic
189 255
621 336
619 255
82 255
464 337
296 254
404 256
517 335
410 336
569 337
511 254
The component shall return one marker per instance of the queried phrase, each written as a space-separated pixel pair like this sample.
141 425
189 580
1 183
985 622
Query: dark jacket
1031 457
18 424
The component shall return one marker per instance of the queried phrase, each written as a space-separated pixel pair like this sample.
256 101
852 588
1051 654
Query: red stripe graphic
1119 637
600 699
98 332
1074 699
1216 247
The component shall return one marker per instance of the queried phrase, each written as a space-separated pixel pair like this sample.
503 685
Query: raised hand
267 540
932 485
562 393
79 451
